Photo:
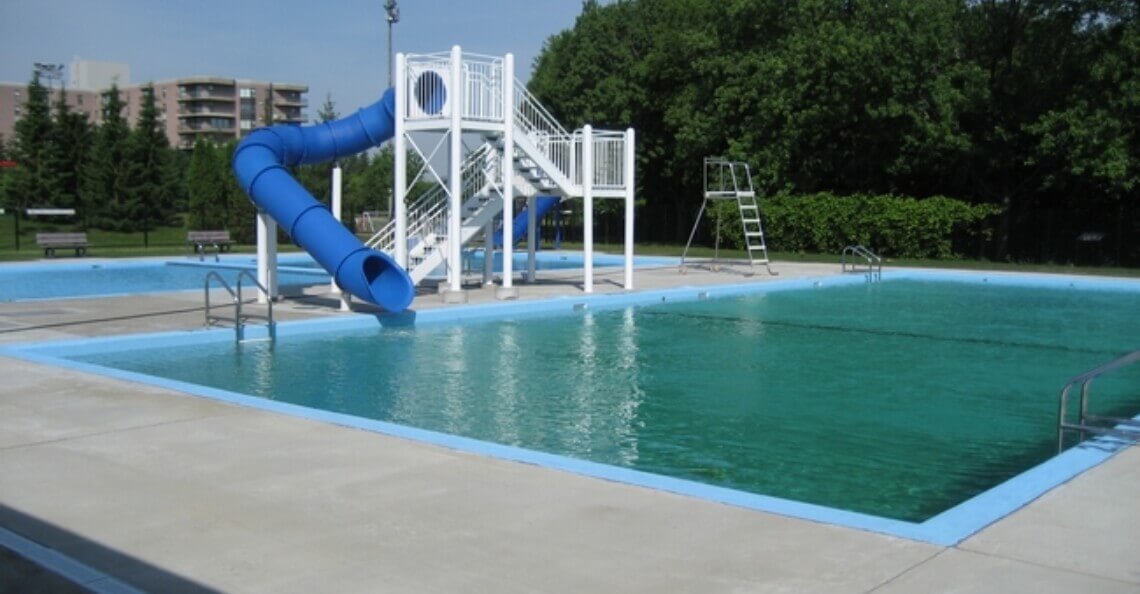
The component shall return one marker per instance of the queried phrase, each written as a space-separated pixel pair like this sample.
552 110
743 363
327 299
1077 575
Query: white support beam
454 178
400 167
630 187
588 206
531 238
489 253
507 291
266 257
345 297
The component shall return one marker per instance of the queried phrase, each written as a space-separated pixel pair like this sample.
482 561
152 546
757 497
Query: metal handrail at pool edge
236 296
1121 427
874 261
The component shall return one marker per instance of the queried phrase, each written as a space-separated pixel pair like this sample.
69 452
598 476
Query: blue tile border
945 529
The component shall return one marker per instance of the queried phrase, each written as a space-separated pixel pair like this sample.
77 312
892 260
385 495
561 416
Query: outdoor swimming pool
86 278
899 399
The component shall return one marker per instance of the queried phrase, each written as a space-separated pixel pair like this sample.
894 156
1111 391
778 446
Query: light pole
393 18
52 73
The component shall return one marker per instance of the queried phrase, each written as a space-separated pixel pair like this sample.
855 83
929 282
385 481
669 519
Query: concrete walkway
152 489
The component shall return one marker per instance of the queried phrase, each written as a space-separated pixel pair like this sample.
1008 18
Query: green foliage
241 214
1030 106
152 177
34 182
72 136
106 183
205 186
893 226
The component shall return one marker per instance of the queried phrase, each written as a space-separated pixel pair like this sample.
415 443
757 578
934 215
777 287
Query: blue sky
338 47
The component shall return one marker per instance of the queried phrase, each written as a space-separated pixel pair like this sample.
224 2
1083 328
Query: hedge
893 226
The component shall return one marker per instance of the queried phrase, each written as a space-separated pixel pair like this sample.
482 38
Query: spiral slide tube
542 205
259 163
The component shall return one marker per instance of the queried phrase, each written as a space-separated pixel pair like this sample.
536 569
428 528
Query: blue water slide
542 205
260 163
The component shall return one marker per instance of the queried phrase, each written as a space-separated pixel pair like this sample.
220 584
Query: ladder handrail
874 261
236 299
1084 380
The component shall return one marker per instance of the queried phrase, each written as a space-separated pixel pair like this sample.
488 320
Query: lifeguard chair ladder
732 180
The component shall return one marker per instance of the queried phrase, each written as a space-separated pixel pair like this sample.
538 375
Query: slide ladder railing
558 152
425 212
1122 428
427 218
239 317
732 180
857 258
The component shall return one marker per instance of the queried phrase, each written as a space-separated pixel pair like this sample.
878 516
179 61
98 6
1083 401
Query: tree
152 177
206 190
241 214
33 179
106 197
71 137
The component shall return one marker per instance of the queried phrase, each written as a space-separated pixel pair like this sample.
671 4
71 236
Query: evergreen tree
241 214
206 191
106 198
152 175
72 136
34 181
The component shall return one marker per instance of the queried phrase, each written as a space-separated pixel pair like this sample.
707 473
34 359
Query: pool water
62 280
899 399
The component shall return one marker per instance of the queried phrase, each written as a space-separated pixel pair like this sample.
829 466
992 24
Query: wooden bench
200 241
52 241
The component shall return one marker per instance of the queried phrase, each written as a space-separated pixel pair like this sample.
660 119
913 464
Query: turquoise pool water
899 399
108 277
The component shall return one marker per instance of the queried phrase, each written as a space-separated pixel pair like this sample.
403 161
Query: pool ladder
239 317
1120 428
873 266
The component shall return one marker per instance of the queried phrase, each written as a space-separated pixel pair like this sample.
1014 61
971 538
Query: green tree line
1028 108
129 179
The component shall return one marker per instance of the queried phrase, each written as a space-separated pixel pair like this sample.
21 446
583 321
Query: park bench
52 241
201 241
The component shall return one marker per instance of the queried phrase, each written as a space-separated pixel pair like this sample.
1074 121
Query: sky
336 47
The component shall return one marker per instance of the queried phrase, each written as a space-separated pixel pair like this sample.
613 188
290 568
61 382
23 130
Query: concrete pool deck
153 489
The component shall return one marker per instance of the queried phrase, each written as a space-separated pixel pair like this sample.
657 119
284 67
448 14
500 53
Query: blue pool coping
944 529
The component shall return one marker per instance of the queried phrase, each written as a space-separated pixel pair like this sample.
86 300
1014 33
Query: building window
247 94
79 99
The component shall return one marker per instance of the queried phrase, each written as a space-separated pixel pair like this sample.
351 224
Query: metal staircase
732 180
427 216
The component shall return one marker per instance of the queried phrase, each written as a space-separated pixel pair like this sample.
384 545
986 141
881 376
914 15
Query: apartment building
216 108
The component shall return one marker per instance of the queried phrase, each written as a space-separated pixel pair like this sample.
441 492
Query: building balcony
186 96
195 127
205 110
